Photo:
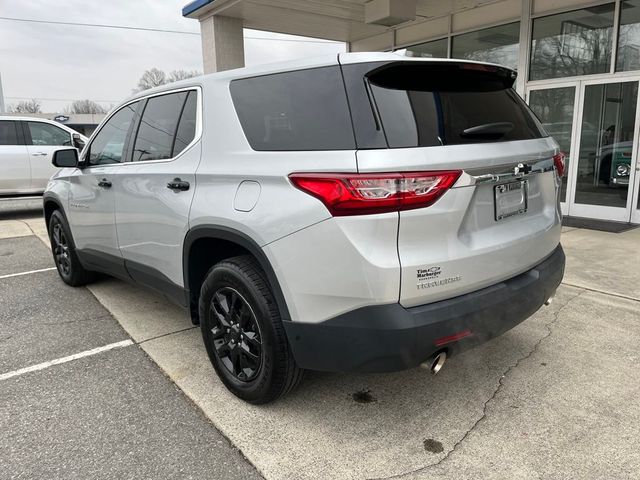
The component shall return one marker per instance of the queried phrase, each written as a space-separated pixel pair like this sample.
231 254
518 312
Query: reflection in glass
496 45
606 144
572 43
629 37
435 49
108 145
554 108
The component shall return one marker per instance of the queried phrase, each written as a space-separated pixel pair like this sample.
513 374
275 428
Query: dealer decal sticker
429 278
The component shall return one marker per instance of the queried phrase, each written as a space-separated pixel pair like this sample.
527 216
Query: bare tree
155 77
575 50
26 106
151 78
85 106
178 75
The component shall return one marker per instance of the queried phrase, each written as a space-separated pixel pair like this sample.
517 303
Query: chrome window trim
196 138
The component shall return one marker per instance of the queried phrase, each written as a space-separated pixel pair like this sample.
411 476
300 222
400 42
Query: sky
57 64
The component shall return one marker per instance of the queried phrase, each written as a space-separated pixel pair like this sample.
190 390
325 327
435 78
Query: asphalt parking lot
556 397
108 415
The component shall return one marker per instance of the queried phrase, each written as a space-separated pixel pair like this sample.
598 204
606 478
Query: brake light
361 194
478 67
559 160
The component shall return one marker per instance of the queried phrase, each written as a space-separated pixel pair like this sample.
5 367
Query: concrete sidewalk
550 399
556 397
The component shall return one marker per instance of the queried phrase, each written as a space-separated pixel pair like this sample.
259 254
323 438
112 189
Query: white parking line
58 361
27 273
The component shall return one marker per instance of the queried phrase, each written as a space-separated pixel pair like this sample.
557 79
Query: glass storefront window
554 108
629 37
606 144
496 45
572 43
434 49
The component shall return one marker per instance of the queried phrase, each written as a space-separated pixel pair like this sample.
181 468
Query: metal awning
340 20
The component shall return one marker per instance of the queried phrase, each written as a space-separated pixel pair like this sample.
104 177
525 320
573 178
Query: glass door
555 107
606 151
635 198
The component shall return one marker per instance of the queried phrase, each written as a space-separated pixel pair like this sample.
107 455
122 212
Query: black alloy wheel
236 334
243 332
64 253
60 247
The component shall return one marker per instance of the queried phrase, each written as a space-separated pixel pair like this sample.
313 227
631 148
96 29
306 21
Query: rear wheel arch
204 246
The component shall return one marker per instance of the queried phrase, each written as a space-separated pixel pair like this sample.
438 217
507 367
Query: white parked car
26 148
360 212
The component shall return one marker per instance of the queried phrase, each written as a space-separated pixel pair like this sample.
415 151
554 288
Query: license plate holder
511 199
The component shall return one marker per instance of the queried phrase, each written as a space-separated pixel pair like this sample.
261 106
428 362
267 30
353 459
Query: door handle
178 185
104 183
39 154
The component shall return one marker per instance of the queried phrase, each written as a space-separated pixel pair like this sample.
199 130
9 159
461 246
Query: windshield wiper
496 129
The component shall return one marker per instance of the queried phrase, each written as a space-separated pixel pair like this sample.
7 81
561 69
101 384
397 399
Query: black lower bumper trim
386 338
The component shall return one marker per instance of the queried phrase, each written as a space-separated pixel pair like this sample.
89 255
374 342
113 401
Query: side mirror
78 142
64 158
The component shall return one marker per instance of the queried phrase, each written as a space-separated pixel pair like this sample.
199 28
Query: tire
64 253
243 332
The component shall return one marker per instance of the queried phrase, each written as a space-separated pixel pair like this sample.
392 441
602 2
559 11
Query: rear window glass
301 110
8 133
449 104
158 125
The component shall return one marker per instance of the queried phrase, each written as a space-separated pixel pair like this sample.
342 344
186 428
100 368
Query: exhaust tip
438 363
435 364
549 300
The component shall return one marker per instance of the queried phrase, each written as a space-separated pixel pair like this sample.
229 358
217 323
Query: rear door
501 217
42 140
15 172
153 192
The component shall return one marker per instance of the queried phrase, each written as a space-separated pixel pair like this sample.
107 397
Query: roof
345 20
41 119
291 65
339 20
194 6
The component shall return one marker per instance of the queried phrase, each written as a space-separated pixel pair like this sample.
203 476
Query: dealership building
578 66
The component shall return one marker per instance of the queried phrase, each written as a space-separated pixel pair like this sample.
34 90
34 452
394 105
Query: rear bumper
386 338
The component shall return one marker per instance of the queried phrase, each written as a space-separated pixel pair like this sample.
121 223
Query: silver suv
363 212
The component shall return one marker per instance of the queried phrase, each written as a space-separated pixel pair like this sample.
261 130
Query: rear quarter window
300 110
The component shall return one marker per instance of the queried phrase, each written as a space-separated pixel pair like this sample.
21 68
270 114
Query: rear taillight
362 194
559 161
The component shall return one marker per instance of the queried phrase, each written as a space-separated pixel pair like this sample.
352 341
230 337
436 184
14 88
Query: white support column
222 43
2 107
525 47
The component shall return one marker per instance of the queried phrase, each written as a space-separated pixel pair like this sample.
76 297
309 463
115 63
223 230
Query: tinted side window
301 110
187 126
8 133
45 134
158 126
108 145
